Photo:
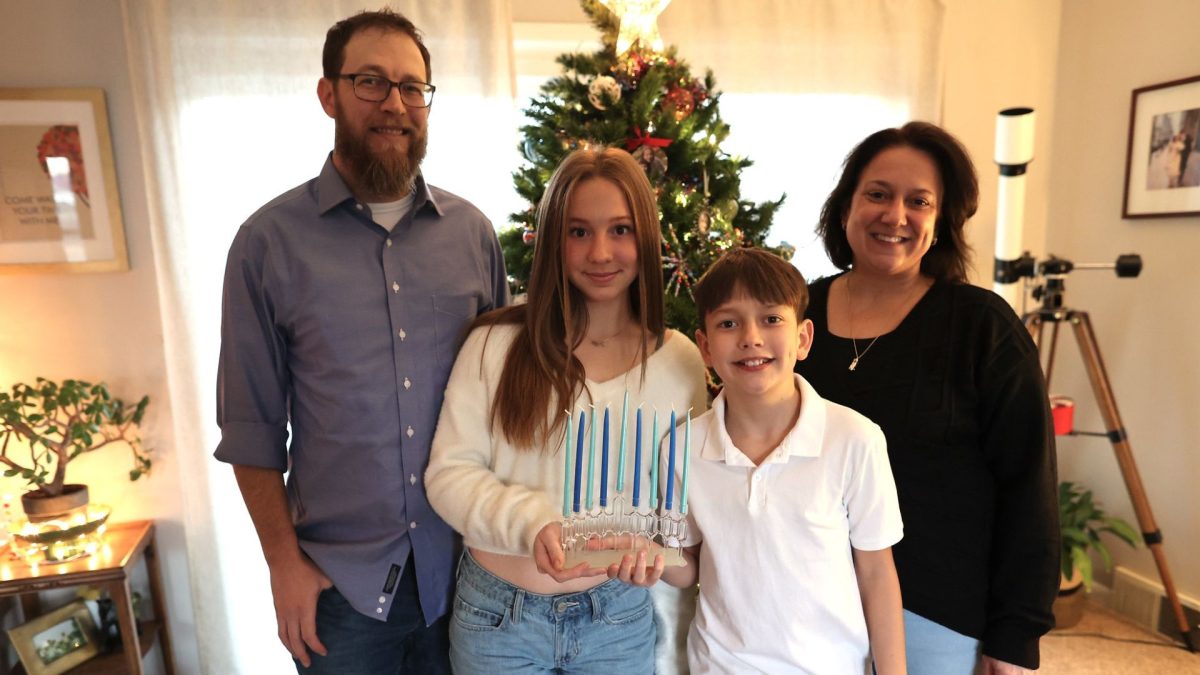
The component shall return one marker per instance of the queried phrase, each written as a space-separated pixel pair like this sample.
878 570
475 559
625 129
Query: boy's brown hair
759 274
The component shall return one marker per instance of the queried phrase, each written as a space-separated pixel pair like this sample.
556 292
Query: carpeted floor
1103 643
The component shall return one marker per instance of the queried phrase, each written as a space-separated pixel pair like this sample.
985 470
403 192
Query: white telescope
1014 151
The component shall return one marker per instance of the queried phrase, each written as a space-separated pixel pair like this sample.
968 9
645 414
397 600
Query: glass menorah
601 534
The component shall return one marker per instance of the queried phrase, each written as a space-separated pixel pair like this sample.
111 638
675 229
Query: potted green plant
46 425
1081 521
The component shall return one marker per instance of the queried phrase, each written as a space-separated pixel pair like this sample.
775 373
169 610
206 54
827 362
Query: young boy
792 507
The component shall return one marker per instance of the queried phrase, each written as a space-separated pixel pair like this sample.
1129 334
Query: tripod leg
1036 325
1053 349
1094 365
1033 324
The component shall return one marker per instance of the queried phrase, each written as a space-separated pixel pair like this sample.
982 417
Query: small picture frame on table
1162 162
56 641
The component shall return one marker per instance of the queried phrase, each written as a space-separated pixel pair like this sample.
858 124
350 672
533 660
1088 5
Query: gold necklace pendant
853 342
857 354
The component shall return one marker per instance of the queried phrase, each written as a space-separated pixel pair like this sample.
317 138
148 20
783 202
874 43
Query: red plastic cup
1062 409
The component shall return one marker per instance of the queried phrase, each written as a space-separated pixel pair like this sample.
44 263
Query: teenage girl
591 330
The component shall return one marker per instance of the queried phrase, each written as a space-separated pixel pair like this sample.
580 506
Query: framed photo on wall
1162 163
59 208
56 642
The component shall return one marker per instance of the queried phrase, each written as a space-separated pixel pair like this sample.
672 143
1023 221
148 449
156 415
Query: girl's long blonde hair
540 368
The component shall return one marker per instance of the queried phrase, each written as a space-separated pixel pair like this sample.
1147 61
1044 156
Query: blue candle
579 460
621 454
687 460
670 477
567 468
591 457
604 464
637 458
654 464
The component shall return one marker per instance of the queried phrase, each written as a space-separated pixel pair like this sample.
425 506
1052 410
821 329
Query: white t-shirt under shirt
387 214
778 592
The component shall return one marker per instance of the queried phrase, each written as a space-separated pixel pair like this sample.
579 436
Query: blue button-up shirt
348 333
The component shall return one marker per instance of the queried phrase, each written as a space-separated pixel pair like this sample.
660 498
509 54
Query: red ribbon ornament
639 139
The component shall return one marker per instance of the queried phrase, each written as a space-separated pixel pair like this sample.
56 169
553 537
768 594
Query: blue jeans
360 645
497 627
933 649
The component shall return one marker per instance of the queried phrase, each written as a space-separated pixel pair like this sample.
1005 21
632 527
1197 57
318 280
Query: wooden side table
108 569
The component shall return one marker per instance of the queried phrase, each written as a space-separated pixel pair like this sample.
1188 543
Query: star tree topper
639 22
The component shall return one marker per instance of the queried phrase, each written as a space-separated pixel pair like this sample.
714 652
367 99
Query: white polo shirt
778 593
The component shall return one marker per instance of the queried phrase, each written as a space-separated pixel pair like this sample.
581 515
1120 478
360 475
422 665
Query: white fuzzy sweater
499 496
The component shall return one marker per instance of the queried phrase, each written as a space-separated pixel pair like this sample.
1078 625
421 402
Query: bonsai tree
55 423
1081 522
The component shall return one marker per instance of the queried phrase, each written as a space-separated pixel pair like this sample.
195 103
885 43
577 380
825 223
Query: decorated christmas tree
634 94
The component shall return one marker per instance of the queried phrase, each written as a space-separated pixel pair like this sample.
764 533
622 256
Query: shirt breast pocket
451 316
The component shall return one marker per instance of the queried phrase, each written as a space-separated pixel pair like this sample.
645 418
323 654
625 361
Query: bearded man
345 302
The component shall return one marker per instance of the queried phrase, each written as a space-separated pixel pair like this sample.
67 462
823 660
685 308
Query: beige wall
1148 327
1001 55
99 326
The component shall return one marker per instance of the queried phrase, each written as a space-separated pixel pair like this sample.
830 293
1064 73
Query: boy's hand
633 570
549 559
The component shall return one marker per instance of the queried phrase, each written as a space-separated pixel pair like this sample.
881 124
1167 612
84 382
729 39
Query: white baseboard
1142 600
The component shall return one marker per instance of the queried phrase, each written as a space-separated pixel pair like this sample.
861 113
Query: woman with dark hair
951 375
591 332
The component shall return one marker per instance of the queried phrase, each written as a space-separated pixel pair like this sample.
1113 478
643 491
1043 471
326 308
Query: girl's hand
549 559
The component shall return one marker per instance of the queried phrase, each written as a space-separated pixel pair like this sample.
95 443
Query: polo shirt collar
803 440
332 190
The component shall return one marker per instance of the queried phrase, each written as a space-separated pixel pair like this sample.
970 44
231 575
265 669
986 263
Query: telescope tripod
1054 313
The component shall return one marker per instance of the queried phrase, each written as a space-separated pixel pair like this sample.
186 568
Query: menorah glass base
603 537
672 557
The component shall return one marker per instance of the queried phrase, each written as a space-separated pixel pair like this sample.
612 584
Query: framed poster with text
59 209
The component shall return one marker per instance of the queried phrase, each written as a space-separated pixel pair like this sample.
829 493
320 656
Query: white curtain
803 82
228 118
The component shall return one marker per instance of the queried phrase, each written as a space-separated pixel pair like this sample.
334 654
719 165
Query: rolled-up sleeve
252 375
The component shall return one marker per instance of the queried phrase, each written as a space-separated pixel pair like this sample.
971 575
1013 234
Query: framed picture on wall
1162 164
56 642
59 210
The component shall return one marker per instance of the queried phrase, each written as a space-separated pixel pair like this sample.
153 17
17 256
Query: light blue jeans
500 628
933 649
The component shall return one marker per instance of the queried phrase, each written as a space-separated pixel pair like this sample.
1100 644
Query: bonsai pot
41 507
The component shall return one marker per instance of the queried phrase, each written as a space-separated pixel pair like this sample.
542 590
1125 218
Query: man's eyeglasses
375 89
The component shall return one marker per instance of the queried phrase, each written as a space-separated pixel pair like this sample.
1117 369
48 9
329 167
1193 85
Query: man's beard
388 174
